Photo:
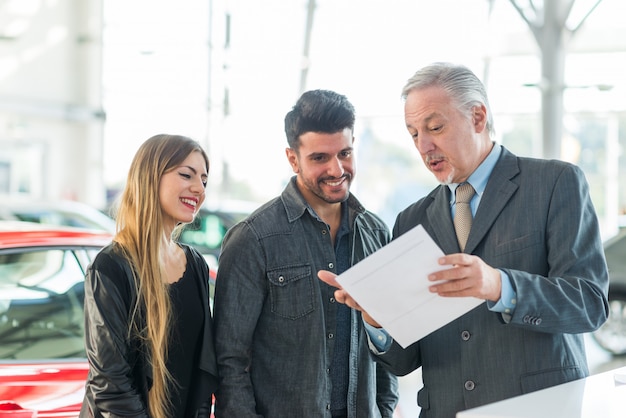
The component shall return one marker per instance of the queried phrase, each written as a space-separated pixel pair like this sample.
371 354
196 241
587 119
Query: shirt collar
296 205
478 179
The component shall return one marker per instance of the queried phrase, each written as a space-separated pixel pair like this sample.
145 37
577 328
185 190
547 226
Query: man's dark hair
318 111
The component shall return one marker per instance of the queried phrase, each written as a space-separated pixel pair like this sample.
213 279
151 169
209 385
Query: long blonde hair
139 233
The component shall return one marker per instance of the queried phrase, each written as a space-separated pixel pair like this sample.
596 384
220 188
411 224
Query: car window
41 304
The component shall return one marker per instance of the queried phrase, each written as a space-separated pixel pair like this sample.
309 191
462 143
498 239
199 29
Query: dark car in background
207 231
612 335
43 365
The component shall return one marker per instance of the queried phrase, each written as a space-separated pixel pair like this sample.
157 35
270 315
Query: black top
187 326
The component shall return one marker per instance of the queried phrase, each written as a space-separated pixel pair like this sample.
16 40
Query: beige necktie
463 214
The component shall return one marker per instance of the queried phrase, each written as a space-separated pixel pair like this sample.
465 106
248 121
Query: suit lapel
440 221
497 194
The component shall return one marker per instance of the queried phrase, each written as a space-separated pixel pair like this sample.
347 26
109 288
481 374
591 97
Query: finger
457 259
329 278
455 288
342 297
460 270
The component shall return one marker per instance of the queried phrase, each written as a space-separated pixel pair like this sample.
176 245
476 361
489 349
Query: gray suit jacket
536 222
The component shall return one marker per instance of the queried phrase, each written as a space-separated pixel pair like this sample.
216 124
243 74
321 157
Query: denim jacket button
330 265
281 279
332 300
324 232
330 336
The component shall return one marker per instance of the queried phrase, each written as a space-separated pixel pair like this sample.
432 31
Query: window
41 304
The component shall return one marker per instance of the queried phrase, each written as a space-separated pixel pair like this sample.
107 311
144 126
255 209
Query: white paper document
392 286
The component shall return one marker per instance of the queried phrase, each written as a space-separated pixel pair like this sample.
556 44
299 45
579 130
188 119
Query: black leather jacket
119 377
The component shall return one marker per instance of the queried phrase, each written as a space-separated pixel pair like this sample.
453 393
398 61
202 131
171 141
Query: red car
43 366
42 358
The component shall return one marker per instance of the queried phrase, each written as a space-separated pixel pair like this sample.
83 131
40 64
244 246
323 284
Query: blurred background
84 82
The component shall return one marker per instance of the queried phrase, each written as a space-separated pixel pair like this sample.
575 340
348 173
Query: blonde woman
148 325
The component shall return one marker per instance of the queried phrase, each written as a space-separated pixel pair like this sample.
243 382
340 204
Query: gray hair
458 81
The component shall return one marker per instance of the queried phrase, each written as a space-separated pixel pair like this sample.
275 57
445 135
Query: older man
530 248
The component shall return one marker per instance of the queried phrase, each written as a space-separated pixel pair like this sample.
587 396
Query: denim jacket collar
296 205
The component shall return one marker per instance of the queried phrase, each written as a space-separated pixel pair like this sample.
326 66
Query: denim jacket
275 320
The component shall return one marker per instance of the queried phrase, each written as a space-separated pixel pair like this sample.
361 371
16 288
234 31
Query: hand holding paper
391 287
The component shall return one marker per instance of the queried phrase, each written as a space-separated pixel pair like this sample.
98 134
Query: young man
533 253
285 347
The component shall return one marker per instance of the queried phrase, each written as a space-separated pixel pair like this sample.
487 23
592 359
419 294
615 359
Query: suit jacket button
469 385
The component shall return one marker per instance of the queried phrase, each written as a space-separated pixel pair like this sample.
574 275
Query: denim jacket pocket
291 291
